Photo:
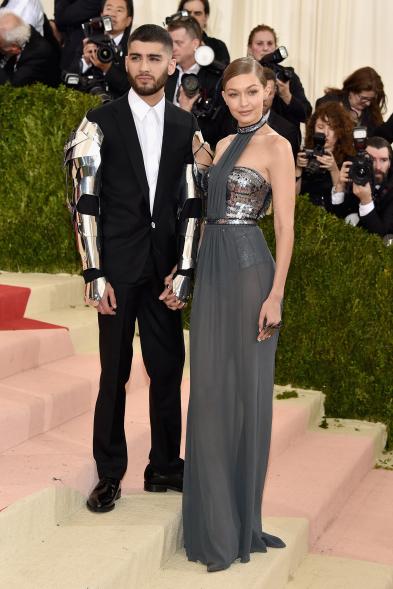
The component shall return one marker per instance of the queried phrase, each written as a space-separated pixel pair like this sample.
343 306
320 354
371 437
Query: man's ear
171 66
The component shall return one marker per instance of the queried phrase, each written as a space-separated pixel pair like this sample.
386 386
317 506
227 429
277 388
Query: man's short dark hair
269 74
129 4
190 24
152 34
380 143
206 5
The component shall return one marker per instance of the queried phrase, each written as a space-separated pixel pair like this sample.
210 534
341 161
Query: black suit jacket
286 129
210 85
380 220
37 63
221 52
69 15
129 232
299 109
116 77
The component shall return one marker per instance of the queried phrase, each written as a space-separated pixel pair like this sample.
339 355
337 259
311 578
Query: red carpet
13 302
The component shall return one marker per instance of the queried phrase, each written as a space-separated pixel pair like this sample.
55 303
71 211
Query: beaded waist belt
229 221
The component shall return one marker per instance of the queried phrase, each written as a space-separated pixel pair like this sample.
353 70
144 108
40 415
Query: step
24 350
315 476
264 571
13 301
121 549
48 291
364 526
81 322
37 400
323 572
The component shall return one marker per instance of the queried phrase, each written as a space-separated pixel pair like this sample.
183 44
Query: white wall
326 39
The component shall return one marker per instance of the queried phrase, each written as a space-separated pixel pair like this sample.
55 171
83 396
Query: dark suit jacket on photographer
380 219
36 63
116 76
221 52
69 16
299 109
210 84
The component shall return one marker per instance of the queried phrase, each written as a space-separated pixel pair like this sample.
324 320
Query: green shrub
338 313
338 316
36 233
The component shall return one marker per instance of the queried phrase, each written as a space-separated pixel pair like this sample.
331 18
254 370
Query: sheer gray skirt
230 410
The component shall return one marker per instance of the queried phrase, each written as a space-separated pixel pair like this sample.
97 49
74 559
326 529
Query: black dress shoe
160 483
103 496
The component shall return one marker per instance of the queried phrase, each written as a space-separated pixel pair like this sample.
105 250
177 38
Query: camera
176 16
313 165
272 61
97 31
90 84
362 170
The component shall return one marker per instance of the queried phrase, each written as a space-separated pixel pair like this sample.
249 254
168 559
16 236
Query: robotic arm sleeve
83 162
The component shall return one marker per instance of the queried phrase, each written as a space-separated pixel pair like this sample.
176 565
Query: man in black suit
69 16
274 120
187 37
113 74
25 56
371 207
129 191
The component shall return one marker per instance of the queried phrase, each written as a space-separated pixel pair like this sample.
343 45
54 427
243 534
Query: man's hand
167 296
89 50
343 177
363 193
184 102
107 305
104 67
284 91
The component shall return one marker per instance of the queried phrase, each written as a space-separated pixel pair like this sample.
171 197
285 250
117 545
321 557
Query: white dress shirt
30 11
149 123
194 69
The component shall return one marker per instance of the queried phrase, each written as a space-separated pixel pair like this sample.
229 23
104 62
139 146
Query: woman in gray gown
235 319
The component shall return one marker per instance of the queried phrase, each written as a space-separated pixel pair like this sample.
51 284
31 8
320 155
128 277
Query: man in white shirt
369 206
113 73
132 157
30 11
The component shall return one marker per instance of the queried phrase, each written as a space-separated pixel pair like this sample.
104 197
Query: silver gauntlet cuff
94 290
182 287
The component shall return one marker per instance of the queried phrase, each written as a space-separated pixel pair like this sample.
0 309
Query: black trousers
162 344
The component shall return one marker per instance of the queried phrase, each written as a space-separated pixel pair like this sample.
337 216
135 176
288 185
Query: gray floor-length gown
232 375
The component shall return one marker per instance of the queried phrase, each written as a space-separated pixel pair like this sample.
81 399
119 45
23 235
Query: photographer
204 98
363 96
328 143
372 196
290 101
69 16
200 10
25 56
111 73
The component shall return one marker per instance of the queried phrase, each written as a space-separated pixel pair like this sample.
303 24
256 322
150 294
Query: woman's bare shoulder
274 141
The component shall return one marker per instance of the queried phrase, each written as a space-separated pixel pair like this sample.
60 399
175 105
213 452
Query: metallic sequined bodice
248 194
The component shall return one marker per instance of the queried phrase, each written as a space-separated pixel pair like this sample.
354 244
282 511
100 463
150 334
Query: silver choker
252 128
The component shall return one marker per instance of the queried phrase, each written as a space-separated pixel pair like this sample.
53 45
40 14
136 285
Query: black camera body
89 84
97 31
361 171
313 165
272 61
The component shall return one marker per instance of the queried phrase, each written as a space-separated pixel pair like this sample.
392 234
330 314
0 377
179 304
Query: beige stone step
326 572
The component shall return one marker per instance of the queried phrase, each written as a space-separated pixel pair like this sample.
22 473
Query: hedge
338 312
35 229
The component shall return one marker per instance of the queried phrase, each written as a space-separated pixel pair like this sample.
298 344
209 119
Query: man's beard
148 90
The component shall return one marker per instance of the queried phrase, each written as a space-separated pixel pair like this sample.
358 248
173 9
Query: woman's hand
328 162
269 317
301 160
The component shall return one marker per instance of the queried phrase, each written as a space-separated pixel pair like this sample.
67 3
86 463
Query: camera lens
190 84
105 54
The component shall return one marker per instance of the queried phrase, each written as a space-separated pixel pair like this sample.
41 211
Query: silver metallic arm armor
82 159
190 220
